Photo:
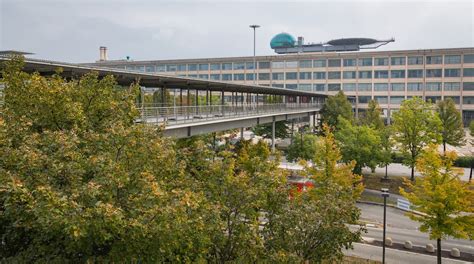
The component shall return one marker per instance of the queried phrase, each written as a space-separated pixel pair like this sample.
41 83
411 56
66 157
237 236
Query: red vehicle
295 180
301 183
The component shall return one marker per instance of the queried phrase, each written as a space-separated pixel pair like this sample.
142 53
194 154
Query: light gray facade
388 77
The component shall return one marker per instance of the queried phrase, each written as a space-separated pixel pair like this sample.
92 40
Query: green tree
359 143
312 226
303 146
265 130
452 132
373 116
159 101
446 202
386 147
414 127
238 184
471 127
336 106
80 182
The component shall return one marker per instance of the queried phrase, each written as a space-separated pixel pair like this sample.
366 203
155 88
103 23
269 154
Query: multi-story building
389 77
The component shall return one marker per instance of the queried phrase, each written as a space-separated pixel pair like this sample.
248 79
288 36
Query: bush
397 157
464 162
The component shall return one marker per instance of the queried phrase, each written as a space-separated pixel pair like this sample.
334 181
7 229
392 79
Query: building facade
389 77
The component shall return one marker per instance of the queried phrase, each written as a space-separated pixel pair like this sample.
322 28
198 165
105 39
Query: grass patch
376 199
374 182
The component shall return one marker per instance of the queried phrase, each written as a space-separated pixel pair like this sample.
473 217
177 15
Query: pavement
394 256
397 169
401 228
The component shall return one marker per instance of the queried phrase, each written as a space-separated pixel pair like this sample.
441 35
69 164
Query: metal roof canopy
124 77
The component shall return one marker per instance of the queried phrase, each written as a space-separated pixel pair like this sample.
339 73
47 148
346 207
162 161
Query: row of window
378 87
467 100
401 87
337 75
350 62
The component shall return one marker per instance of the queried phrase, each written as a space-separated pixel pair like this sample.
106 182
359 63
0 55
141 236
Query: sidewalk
396 169
394 256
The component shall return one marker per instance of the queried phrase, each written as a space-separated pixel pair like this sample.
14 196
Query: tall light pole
385 194
254 58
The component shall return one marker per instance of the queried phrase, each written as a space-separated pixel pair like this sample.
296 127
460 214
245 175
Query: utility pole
254 58
385 194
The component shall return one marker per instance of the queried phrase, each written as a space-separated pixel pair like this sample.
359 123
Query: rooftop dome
282 40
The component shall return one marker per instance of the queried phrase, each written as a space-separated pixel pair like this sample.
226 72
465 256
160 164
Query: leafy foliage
446 202
386 145
303 146
265 130
415 126
336 106
360 143
471 128
80 181
312 226
373 116
452 127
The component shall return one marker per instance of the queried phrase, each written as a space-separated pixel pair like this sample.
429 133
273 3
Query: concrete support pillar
188 97
292 130
273 135
241 133
197 101
314 121
163 95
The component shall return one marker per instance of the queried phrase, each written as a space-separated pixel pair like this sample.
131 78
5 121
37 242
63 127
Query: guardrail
190 114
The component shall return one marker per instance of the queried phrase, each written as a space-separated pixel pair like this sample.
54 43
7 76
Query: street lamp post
254 58
385 194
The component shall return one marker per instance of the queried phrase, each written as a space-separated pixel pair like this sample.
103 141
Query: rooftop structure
284 43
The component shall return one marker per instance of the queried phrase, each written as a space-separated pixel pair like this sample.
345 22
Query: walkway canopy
125 77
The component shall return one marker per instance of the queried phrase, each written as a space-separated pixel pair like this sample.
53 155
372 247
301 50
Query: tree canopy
265 130
452 128
446 202
303 146
80 181
336 106
373 116
415 126
360 143
471 128
312 226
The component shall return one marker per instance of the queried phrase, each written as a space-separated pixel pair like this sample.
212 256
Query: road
401 228
393 256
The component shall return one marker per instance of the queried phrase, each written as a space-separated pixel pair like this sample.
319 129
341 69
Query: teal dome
282 40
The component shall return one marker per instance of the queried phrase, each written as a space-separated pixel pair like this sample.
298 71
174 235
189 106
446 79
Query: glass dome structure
282 40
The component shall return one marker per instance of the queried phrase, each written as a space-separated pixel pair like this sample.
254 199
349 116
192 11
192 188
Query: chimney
103 53
300 41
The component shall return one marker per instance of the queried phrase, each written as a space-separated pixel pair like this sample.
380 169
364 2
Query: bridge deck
185 121
189 115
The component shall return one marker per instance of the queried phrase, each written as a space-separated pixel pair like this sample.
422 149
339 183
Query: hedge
464 161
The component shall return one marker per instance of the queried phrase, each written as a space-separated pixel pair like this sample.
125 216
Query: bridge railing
189 114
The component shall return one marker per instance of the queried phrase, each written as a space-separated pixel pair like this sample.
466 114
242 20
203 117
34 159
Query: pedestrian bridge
198 106
185 121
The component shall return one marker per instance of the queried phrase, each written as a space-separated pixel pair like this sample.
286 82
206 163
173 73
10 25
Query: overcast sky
73 30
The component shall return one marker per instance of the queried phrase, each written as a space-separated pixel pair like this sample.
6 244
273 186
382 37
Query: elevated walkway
186 121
